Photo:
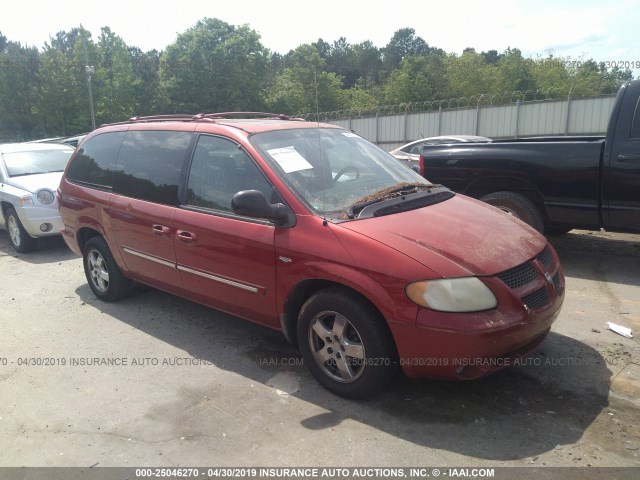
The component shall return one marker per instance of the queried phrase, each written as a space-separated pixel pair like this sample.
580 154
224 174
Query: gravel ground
198 387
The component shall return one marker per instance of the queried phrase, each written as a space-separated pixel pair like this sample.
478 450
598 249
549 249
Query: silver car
29 177
410 153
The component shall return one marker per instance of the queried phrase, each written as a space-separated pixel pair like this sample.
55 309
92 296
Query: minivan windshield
331 169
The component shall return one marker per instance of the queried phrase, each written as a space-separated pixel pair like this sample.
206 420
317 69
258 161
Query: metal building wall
587 116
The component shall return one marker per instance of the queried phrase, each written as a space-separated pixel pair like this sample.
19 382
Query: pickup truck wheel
103 275
346 343
517 205
556 230
21 241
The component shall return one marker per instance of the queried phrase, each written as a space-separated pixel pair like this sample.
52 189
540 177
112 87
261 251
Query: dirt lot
196 387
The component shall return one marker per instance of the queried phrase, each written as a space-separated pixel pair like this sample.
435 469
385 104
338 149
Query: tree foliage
214 66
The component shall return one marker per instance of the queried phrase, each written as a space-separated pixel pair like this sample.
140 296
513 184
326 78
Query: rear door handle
629 158
185 236
160 229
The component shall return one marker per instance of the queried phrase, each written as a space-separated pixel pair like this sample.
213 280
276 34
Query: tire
346 343
20 240
517 205
557 230
103 275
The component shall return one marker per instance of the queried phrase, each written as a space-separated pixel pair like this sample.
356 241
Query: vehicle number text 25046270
194 472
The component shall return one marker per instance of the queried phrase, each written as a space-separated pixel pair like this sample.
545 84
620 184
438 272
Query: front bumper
465 346
32 218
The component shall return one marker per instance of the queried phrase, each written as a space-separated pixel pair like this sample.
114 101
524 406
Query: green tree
63 101
404 43
419 78
146 83
115 85
305 86
514 72
19 119
469 75
214 66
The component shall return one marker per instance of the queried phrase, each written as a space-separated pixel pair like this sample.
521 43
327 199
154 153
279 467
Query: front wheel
103 275
346 343
518 206
21 241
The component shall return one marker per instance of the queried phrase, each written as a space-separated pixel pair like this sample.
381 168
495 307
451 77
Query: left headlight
45 197
466 294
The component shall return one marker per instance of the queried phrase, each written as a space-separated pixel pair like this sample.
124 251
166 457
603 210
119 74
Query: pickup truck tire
517 205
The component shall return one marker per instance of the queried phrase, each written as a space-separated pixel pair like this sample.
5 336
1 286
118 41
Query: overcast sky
581 29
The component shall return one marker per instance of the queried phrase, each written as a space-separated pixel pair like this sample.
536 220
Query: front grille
518 276
545 258
537 299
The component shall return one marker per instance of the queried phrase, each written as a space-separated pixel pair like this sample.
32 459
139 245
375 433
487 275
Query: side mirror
415 168
252 203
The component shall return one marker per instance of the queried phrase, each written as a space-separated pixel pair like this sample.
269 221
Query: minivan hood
458 237
33 183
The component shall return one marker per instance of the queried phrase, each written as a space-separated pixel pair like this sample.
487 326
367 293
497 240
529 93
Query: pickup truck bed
553 183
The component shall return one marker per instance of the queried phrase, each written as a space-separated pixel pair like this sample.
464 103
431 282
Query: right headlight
467 294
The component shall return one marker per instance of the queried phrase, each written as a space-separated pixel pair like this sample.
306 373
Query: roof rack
206 116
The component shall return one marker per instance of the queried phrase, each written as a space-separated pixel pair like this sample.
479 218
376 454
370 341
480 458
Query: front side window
219 170
150 165
95 161
331 169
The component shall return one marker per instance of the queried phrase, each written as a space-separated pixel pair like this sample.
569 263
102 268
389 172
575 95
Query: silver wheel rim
337 347
98 271
14 231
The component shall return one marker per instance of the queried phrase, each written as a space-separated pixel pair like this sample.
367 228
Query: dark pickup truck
554 184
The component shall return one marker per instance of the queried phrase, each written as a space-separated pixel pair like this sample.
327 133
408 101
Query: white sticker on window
351 135
289 159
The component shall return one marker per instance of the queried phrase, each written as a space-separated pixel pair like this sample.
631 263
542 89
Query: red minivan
312 230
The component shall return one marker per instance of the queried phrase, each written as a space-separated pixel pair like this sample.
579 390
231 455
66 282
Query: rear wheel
346 343
517 205
21 241
103 275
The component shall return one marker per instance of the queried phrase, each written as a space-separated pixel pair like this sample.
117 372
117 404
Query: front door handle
185 236
628 158
160 229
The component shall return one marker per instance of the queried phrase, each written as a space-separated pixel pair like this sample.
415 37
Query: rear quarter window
95 161
150 165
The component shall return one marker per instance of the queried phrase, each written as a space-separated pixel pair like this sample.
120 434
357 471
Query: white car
410 153
29 177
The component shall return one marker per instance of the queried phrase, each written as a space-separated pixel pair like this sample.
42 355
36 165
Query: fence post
404 127
566 125
517 117
478 118
376 130
439 119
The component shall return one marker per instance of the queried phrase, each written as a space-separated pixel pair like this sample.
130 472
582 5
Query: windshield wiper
386 194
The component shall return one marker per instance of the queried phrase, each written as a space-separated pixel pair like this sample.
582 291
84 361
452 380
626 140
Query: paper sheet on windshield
289 159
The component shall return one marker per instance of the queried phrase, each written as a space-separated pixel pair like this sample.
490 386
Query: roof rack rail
223 115
205 116
164 118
